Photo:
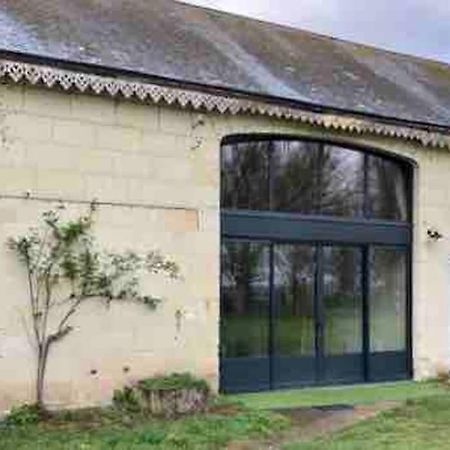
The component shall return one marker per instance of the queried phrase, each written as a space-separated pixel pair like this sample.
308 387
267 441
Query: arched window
312 178
315 264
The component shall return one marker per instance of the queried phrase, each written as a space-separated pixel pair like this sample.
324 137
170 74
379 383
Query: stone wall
155 171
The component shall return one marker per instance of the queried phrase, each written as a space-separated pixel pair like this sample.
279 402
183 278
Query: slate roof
164 38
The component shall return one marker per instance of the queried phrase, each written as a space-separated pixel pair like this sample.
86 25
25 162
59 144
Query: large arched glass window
312 178
315 265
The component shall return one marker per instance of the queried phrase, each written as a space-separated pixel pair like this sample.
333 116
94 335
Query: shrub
24 415
175 381
126 400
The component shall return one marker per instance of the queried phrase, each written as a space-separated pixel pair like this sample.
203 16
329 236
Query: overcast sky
419 27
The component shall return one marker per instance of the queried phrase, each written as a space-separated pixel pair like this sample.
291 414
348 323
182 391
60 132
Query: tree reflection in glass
387 189
245 176
342 300
387 299
307 177
341 182
294 271
293 167
245 299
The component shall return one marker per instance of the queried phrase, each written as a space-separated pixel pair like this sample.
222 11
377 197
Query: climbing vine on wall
64 268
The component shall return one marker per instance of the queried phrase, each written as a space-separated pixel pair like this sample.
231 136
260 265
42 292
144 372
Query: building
301 183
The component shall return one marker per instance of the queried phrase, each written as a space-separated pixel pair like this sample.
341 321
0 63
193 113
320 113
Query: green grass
422 423
348 395
419 425
100 430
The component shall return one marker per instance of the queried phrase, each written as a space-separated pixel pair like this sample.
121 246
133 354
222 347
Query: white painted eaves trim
70 80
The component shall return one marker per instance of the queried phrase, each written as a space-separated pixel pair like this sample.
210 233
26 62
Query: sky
417 27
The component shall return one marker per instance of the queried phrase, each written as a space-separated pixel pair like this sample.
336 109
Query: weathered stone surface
174 402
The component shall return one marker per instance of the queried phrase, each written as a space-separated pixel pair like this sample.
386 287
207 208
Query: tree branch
47 306
69 314
72 310
33 300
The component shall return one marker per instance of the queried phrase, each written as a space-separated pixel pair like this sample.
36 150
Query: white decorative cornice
51 77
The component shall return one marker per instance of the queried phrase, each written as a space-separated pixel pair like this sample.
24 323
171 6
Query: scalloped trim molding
68 80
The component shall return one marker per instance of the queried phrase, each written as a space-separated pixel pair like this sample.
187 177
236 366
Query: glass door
297 314
387 315
341 314
294 318
245 313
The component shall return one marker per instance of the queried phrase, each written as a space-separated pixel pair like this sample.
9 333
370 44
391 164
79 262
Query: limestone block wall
155 192
155 171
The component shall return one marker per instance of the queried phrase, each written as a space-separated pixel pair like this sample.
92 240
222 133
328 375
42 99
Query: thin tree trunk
39 379
43 351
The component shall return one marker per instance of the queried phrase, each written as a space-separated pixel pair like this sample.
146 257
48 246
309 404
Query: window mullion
366 186
270 174
319 178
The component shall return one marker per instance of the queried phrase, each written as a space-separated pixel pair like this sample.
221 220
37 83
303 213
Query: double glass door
296 314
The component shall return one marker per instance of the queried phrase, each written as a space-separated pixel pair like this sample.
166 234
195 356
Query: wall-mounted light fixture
434 234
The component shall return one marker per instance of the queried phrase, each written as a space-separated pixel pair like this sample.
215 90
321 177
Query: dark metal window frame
405 163
363 232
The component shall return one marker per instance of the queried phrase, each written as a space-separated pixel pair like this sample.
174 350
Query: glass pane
244 176
294 296
387 189
341 182
342 300
293 174
387 299
245 299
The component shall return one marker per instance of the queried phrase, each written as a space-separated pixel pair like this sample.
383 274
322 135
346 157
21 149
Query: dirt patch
311 423
225 410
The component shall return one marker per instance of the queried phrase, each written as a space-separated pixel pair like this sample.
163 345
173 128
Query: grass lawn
418 425
89 430
340 395
423 422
